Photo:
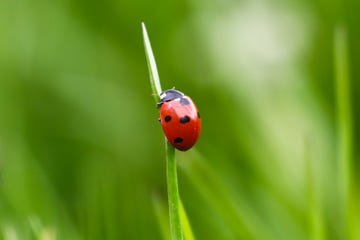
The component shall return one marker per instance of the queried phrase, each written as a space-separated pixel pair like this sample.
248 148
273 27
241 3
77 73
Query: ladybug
179 118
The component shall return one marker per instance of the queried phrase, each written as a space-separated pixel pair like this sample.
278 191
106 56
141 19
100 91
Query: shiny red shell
181 122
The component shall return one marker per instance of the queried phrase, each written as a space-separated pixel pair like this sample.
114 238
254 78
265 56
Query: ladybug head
169 95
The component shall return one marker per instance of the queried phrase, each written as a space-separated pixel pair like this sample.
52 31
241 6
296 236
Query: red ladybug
179 119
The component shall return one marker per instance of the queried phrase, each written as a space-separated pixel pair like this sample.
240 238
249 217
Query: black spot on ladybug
198 114
185 119
178 140
184 101
167 118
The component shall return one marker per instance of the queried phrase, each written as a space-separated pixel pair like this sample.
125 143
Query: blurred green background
82 153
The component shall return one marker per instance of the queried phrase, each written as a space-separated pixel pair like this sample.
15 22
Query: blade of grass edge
172 183
161 213
153 72
188 234
345 130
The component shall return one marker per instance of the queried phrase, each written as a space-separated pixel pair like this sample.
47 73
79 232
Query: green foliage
81 151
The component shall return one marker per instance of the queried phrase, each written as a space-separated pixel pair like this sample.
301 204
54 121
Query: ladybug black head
169 95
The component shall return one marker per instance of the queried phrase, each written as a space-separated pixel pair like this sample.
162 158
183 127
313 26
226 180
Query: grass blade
188 234
173 193
172 183
154 75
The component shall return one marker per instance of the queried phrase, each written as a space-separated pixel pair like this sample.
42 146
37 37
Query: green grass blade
154 75
188 234
173 193
161 213
172 183
345 133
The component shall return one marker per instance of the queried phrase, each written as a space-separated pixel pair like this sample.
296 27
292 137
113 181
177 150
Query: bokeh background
82 153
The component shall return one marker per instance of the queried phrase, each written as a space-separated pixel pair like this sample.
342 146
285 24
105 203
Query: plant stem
172 183
173 193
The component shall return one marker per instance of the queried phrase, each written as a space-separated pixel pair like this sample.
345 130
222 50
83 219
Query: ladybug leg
158 105
159 119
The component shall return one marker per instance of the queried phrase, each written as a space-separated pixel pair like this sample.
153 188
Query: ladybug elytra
179 119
